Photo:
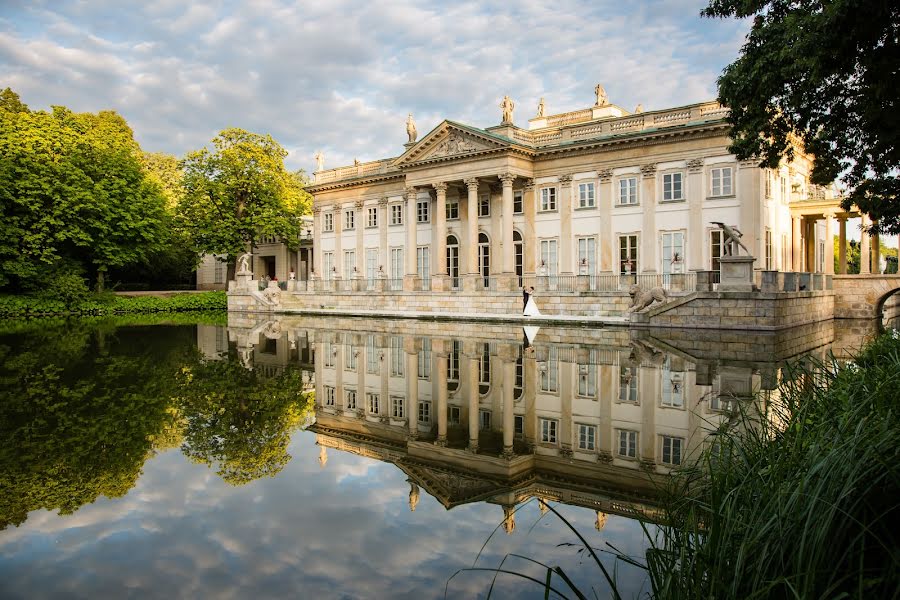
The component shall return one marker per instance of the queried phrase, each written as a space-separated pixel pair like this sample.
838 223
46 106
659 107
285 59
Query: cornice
345 183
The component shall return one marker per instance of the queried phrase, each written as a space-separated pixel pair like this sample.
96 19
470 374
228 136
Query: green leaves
827 73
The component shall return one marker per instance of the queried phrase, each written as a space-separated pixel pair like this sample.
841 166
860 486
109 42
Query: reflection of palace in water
476 412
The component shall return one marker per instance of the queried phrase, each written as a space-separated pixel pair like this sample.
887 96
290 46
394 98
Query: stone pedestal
736 273
244 282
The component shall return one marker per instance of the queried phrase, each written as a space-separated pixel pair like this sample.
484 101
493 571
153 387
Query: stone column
796 243
317 240
409 282
696 254
383 250
604 203
471 238
829 243
471 357
412 386
876 252
811 245
529 251
566 241
842 245
339 403
508 356
865 259
647 258
751 203
338 221
360 351
509 256
439 242
438 347
567 379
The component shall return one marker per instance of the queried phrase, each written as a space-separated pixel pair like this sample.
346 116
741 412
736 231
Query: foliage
72 187
239 421
238 192
98 304
798 500
825 71
852 256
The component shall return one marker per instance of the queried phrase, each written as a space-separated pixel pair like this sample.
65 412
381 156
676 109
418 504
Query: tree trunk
101 279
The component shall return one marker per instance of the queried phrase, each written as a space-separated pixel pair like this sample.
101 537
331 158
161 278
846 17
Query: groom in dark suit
525 295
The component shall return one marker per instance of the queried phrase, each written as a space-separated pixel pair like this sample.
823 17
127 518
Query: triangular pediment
451 488
448 141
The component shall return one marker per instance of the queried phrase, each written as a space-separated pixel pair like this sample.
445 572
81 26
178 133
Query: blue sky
341 76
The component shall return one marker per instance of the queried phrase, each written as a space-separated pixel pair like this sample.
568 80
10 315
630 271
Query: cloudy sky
340 76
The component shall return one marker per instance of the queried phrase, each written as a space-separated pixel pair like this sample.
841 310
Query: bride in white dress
531 309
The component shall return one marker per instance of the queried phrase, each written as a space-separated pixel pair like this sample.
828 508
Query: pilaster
509 261
383 250
529 251
360 222
471 243
648 260
604 203
566 241
696 234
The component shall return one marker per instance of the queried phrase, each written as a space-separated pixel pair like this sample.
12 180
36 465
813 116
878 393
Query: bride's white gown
531 309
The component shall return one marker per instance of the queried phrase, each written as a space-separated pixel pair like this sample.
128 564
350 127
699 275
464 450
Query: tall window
672 386
397 403
349 219
422 211
371 355
424 412
671 450
485 419
484 370
587 254
587 381
453 260
721 181
484 205
329 395
349 262
549 256
672 252
397 263
672 187
785 198
768 249
628 254
587 437
328 265
396 214
586 195
372 217
628 385
484 258
349 399
518 206
628 191
453 363
548 198
548 430
218 271
328 222
519 252
330 353
397 356
372 400
424 360
452 211
549 372
715 249
371 265
768 176
350 358
628 443
423 262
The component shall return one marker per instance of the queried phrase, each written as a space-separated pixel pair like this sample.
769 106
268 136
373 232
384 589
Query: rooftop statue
540 112
320 162
411 129
638 109
602 98
508 106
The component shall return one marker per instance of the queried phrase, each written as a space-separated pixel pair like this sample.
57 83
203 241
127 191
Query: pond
329 457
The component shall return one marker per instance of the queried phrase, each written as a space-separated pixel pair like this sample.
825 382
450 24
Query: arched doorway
519 249
484 259
453 261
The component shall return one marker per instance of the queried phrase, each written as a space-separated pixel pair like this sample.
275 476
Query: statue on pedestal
540 112
320 162
602 98
507 106
411 129
731 239
244 264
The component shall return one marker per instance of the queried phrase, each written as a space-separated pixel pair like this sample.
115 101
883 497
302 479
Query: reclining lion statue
641 299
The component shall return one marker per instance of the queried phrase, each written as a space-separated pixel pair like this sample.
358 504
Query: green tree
852 256
10 102
238 192
823 72
239 421
73 195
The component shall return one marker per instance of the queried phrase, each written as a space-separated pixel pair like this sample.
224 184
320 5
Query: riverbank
111 304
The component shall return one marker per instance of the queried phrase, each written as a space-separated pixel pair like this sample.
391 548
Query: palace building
598 191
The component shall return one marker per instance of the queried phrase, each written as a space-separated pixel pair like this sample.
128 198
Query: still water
343 458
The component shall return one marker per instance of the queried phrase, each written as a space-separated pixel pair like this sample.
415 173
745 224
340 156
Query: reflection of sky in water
343 531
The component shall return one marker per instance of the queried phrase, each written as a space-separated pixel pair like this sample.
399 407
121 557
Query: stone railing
576 116
570 128
375 167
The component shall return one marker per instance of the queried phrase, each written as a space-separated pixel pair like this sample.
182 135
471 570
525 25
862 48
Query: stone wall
891 310
741 310
857 296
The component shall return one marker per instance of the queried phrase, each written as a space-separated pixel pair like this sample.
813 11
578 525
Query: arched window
484 258
453 261
519 249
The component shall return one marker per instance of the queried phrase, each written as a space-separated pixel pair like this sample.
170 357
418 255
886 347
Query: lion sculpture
272 294
641 299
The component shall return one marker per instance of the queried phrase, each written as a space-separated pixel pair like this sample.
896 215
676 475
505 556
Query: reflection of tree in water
82 407
237 420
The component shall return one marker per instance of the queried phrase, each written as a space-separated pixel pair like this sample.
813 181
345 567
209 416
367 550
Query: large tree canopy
825 71
240 191
73 193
